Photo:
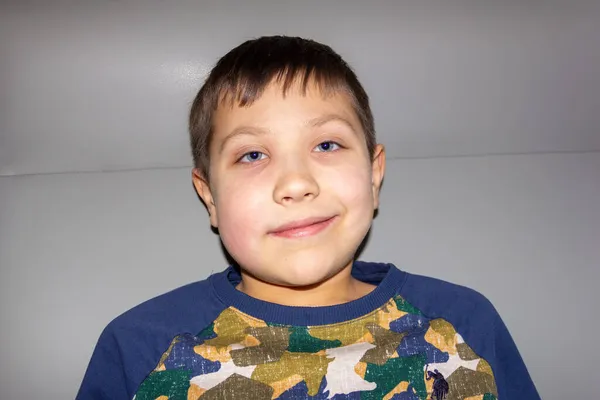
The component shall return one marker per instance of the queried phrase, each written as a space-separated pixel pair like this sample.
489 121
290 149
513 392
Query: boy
287 165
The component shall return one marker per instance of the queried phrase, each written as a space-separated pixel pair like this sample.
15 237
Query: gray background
490 114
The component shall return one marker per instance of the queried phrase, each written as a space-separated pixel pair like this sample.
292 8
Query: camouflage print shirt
411 338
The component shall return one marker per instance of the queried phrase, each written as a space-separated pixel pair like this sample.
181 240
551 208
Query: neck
338 289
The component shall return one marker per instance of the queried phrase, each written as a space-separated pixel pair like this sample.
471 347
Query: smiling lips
302 228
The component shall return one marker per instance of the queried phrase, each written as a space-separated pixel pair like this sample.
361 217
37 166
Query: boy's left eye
327 146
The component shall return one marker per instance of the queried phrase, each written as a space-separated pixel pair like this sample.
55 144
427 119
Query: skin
283 160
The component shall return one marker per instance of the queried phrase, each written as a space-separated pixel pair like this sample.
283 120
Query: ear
203 190
378 170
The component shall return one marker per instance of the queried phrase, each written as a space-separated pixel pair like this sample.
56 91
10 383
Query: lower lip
304 231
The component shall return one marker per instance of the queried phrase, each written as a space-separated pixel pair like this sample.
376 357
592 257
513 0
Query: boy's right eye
252 156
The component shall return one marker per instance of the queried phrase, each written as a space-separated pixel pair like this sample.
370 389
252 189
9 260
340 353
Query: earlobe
203 189
378 171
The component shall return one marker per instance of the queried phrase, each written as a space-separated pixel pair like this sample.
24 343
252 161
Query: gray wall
490 115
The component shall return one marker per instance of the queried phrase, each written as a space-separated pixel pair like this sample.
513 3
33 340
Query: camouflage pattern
395 352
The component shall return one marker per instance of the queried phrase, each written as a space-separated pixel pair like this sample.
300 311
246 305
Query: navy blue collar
387 277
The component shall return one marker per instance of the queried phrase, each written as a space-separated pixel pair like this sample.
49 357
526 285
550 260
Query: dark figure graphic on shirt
440 386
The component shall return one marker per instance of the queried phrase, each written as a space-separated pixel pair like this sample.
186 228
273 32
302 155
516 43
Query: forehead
275 108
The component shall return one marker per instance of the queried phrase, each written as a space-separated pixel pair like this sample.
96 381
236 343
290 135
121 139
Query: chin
305 281
301 276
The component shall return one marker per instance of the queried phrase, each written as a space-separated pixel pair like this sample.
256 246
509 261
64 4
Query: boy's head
286 160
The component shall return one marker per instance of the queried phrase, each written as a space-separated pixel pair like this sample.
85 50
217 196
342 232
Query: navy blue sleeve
131 345
105 376
477 321
512 377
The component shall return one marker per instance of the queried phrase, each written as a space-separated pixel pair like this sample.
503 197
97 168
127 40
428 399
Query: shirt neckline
387 277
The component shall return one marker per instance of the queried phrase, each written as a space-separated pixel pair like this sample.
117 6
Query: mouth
303 228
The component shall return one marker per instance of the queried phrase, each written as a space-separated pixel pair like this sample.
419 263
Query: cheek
353 186
240 221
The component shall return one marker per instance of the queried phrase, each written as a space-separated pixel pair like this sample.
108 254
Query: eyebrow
240 131
322 120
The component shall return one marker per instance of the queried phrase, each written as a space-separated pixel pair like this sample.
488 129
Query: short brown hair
243 74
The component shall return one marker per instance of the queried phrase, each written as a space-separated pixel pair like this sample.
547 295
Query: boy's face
292 185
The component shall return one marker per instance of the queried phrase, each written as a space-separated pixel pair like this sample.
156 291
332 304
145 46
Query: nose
294 184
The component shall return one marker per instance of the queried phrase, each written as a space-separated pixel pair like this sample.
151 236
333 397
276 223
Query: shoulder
176 310
131 344
464 307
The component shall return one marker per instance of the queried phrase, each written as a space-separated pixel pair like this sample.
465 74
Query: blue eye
252 156
327 146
